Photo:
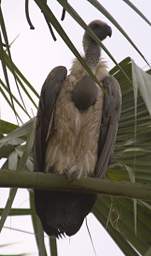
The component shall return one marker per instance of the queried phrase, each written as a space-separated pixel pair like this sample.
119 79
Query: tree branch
48 181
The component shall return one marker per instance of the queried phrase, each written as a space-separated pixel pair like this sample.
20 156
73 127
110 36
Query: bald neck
92 55
92 51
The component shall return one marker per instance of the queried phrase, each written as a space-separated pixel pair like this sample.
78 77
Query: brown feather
72 140
72 150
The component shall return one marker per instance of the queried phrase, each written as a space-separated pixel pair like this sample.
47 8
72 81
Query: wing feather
49 94
109 124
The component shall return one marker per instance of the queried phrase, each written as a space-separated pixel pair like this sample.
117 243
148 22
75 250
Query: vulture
76 127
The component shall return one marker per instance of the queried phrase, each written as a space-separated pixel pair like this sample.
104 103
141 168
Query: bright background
35 53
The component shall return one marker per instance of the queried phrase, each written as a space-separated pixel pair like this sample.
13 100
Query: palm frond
131 161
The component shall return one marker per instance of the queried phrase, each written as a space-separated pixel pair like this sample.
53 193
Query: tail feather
62 212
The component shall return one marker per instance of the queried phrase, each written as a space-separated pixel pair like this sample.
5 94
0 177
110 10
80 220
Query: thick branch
48 181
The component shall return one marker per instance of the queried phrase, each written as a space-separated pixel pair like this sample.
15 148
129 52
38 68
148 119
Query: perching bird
76 126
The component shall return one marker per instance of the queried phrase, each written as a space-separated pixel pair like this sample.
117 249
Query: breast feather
73 146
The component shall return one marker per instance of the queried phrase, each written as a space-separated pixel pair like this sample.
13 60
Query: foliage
128 221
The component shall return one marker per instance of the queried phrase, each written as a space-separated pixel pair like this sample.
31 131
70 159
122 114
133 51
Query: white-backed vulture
76 127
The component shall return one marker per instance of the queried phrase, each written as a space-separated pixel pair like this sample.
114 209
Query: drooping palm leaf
6 43
16 159
132 6
20 78
131 158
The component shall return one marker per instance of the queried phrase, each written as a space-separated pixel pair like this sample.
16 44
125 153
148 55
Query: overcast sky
35 53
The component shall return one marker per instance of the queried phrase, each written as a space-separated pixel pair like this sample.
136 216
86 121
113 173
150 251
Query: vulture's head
100 28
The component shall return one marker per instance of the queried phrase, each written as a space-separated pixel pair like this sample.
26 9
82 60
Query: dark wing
60 212
49 94
109 124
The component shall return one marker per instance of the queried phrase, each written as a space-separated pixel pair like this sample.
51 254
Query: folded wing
109 124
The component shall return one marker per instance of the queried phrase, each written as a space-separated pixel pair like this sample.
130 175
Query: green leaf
3 89
53 246
132 154
8 206
6 127
18 134
148 252
12 161
132 6
39 233
20 77
5 69
4 31
100 7
101 212
4 94
142 82
17 211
